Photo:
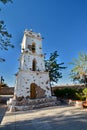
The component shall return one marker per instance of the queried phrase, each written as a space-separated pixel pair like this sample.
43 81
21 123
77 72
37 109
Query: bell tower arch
33 47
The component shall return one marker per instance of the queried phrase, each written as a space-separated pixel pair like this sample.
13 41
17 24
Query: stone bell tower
32 81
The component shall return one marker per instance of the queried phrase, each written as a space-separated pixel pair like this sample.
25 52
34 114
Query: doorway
33 91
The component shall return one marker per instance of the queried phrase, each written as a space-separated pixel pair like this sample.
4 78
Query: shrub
59 93
67 93
85 93
79 96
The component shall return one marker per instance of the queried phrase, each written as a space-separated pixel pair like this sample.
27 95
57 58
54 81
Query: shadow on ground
3 106
3 109
65 120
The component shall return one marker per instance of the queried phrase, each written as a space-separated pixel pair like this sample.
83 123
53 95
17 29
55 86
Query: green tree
66 93
79 70
54 68
6 1
85 93
4 34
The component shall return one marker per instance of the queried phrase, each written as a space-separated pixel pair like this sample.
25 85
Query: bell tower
32 87
31 52
32 76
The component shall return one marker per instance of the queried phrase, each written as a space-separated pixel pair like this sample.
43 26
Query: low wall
7 91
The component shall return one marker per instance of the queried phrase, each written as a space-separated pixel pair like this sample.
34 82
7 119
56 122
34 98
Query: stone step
29 104
35 101
34 106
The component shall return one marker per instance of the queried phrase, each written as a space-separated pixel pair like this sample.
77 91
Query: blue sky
63 24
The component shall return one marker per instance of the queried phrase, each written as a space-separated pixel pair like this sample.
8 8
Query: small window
33 47
34 65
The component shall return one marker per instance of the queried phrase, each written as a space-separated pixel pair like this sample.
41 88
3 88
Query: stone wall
29 104
7 91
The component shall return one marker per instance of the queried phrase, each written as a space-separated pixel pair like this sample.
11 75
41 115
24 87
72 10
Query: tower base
30 104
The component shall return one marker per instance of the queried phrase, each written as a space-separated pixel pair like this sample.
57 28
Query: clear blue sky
63 24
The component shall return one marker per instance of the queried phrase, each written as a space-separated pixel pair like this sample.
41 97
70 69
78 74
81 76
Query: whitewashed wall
27 60
24 80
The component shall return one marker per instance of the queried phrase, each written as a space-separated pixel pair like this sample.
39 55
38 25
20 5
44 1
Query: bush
85 93
71 93
67 93
79 96
3 85
59 93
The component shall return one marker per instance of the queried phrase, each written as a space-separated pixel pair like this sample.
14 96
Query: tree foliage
4 34
85 93
53 67
6 1
79 70
65 93
4 37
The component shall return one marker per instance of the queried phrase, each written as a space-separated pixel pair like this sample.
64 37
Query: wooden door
33 91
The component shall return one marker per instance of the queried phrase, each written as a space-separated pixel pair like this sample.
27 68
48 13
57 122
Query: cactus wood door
33 91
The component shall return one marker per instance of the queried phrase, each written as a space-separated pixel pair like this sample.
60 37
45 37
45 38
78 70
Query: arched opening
33 91
34 65
33 47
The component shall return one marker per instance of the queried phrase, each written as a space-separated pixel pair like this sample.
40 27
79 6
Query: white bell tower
31 52
32 88
32 79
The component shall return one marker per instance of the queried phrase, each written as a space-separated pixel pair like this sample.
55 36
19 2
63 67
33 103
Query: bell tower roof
32 42
32 34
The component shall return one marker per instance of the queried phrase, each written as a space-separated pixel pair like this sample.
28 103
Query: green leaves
53 67
79 70
6 1
85 92
65 93
2 60
5 36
